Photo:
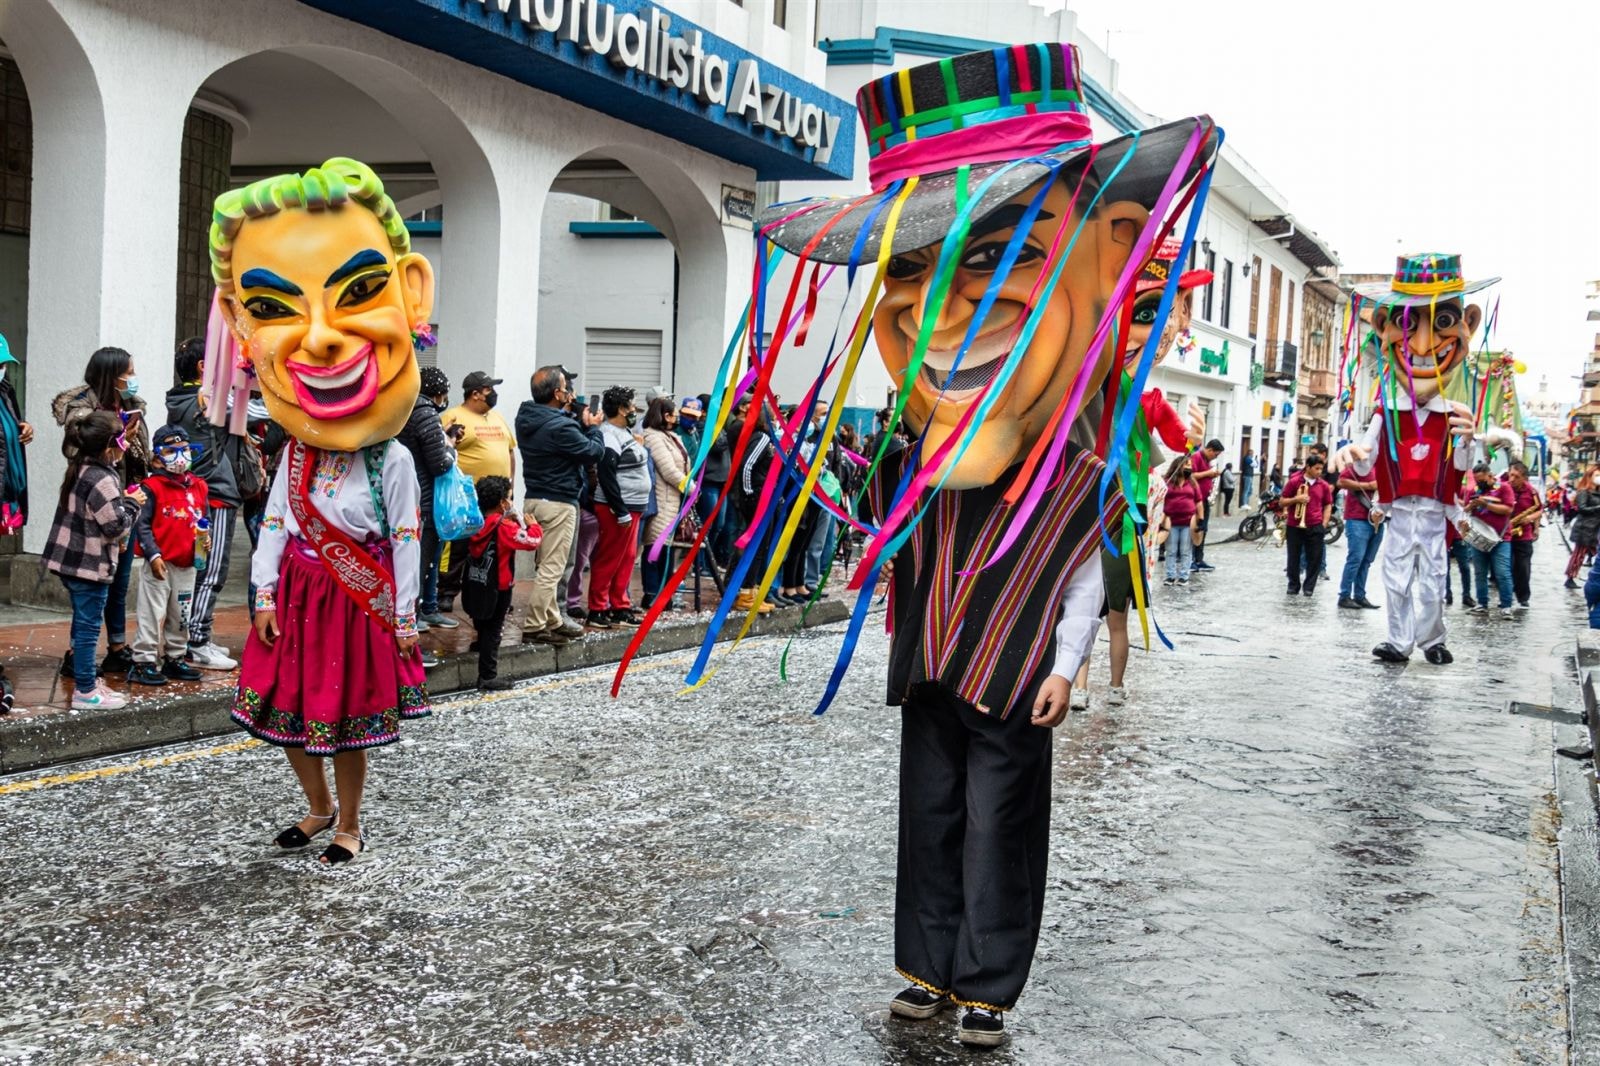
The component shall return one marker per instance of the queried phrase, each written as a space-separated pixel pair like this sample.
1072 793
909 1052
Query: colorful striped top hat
1422 279
1014 114
1159 269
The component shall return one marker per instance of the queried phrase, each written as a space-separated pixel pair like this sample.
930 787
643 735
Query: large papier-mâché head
1422 322
1070 312
319 286
971 141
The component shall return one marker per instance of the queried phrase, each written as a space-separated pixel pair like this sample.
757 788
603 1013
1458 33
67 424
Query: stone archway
68 125
659 190
426 154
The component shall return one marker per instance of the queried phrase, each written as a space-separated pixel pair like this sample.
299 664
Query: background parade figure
1419 442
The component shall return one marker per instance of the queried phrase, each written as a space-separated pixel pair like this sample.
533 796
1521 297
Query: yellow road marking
80 776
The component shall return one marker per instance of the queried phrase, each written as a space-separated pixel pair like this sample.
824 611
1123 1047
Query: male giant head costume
1422 324
1011 237
317 283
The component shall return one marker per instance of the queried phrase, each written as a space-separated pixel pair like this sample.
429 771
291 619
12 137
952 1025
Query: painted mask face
1059 347
1145 306
1433 340
324 310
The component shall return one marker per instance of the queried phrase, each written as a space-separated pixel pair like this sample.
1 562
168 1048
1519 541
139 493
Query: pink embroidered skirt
333 680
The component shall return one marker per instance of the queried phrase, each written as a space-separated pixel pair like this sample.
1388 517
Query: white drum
1481 535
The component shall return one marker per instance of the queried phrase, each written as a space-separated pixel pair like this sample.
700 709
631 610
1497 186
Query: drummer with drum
1489 510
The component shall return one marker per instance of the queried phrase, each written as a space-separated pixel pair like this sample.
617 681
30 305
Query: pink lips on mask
339 390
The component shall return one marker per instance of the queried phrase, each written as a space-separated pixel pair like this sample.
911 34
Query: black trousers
1202 522
974 844
1522 569
1305 546
488 630
454 572
1227 501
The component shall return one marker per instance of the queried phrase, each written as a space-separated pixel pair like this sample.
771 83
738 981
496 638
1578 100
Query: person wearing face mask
622 490
171 539
485 447
110 384
216 456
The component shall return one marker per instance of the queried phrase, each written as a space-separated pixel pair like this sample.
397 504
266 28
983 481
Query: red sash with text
352 566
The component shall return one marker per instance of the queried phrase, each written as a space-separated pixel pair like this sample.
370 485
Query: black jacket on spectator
554 447
719 459
424 438
213 459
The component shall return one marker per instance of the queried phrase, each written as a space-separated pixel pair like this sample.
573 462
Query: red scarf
351 565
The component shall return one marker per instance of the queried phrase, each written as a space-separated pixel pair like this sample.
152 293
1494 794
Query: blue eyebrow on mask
262 278
362 259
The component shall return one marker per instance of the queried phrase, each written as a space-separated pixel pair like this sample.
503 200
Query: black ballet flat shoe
1390 654
295 837
1438 655
338 855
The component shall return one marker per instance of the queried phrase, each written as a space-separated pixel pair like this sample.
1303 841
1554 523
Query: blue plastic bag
455 505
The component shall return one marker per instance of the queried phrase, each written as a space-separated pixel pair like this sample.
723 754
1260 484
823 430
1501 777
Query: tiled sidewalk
31 651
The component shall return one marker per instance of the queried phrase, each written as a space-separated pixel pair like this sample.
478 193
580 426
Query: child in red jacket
167 534
501 528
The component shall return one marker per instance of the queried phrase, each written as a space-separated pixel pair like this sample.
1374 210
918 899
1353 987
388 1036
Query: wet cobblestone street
1277 852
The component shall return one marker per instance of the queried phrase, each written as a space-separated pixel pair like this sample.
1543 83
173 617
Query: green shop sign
1214 361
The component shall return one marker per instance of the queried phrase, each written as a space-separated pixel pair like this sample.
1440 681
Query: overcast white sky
1469 127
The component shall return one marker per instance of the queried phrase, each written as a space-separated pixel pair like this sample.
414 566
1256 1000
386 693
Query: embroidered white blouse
341 494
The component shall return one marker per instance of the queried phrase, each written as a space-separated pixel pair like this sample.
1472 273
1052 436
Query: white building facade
489 121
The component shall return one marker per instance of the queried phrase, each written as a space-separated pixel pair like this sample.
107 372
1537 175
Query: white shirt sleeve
1370 442
273 539
1080 619
402 505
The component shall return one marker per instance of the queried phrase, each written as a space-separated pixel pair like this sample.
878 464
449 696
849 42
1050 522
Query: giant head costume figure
1013 237
1147 303
317 283
1422 324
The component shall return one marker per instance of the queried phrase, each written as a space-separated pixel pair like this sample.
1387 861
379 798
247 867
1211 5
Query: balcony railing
1281 360
1323 384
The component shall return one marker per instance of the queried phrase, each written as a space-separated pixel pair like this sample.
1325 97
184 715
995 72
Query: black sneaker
599 620
622 619
1439 655
577 612
918 1004
178 670
495 684
117 662
147 674
66 667
981 1028
1389 653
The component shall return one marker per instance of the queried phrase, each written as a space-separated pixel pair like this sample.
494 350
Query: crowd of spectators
604 478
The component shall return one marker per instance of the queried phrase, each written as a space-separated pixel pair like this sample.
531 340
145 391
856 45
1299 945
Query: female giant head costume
319 288
998 250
